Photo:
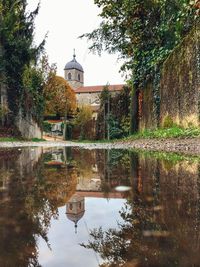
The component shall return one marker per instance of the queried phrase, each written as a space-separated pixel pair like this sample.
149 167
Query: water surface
75 207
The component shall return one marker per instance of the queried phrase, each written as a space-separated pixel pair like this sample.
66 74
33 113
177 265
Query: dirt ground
187 146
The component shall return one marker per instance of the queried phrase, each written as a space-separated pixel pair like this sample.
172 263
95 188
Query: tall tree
143 32
17 51
3 92
83 117
59 97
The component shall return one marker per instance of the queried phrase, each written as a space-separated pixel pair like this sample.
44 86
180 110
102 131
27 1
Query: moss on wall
147 107
180 82
177 93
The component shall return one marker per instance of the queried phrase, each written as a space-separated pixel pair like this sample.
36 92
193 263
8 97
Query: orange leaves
59 96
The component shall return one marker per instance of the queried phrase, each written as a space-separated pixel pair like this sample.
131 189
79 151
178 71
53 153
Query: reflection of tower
75 209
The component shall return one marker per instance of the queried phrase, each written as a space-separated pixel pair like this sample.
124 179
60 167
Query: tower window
69 76
79 77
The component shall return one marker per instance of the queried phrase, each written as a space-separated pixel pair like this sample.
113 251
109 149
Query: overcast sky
65 20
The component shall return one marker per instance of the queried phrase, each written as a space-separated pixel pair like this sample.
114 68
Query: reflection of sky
65 248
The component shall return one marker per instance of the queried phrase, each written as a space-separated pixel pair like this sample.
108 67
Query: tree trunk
134 111
3 88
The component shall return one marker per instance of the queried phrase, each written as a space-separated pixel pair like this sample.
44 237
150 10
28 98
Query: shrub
126 125
167 122
46 126
84 116
114 128
68 133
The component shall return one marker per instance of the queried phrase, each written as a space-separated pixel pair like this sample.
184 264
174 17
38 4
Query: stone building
86 95
74 73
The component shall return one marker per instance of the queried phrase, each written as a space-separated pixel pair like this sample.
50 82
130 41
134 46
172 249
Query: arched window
69 76
70 206
79 77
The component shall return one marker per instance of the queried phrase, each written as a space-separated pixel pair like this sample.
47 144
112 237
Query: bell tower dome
74 73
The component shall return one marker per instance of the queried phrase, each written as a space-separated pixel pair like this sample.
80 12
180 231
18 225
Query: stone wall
179 88
147 108
180 82
75 82
28 127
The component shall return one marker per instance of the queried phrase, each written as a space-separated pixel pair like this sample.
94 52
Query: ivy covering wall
178 88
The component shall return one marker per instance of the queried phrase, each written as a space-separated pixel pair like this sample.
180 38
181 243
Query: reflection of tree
60 185
84 160
28 204
19 228
114 169
160 223
124 245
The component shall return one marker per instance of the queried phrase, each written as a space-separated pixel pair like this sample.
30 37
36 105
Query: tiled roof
99 88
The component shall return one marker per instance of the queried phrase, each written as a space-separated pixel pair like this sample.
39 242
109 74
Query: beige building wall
89 98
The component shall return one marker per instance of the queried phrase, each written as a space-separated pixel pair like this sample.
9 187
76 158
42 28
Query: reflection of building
4 183
92 184
56 159
75 209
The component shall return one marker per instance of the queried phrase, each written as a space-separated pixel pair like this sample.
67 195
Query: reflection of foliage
29 205
170 156
117 247
60 185
84 160
113 244
114 170
116 156
158 222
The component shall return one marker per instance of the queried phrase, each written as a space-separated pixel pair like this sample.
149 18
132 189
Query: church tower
74 73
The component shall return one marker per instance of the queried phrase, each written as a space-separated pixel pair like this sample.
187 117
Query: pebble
191 146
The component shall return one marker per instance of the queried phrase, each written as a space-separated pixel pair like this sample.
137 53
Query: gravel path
189 146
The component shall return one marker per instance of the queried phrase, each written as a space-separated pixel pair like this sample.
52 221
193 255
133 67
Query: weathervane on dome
74 54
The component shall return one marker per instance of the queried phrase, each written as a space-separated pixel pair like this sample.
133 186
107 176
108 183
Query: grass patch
9 139
161 133
15 139
173 132
37 140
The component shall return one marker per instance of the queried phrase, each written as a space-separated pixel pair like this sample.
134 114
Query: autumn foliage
60 98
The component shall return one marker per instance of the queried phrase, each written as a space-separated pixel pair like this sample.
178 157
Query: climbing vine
156 95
